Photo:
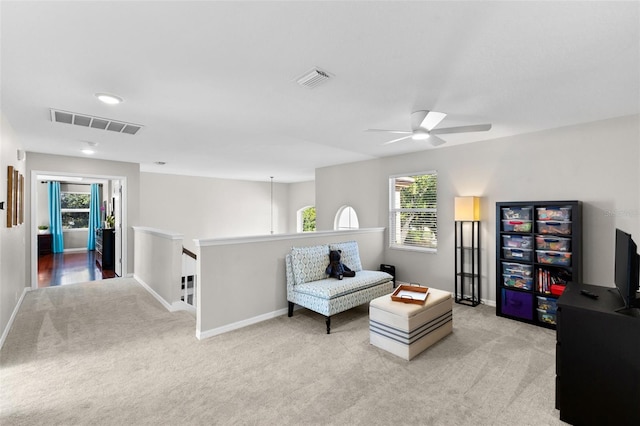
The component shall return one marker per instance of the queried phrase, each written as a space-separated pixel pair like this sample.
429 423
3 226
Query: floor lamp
467 250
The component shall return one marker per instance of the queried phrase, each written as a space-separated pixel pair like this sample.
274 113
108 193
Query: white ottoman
406 329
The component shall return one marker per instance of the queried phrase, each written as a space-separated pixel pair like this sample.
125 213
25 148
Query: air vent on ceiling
85 120
314 78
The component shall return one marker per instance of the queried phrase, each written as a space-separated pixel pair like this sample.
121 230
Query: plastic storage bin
553 243
554 213
547 317
517 241
517 304
509 268
552 227
547 303
516 225
517 281
517 213
560 258
517 254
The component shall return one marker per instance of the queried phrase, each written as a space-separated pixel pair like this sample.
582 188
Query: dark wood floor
69 268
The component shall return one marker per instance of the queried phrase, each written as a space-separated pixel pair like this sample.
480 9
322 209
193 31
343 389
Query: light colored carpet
107 352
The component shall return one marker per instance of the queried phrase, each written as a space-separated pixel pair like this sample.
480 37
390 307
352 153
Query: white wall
199 207
12 240
301 194
158 263
596 163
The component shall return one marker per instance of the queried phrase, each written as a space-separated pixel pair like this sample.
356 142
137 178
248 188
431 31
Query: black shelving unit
538 251
467 261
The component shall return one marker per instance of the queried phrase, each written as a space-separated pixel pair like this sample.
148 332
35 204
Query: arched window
346 218
306 219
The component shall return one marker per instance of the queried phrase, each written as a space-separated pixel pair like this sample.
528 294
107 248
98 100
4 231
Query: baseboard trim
159 298
12 318
240 324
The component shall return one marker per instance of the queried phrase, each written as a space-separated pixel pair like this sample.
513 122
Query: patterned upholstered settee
309 286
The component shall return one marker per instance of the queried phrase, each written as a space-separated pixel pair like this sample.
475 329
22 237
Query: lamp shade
467 209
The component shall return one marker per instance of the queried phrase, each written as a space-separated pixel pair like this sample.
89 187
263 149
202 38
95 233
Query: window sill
411 248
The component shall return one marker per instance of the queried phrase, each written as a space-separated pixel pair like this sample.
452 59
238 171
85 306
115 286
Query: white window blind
413 212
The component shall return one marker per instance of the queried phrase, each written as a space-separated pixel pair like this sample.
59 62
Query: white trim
171 307
159 298
429 172
240 324
277 237
76 250
158 233
5 333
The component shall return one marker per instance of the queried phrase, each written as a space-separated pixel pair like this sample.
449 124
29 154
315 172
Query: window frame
341 211
393 211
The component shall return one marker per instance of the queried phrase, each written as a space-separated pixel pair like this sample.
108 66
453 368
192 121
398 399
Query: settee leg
290 313
328 325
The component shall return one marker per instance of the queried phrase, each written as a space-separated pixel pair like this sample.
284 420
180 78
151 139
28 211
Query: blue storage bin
516 225
553 227
517 213
517 254
517 241
548 304
554 213
553 243
546 317
517 281
510 268
517 304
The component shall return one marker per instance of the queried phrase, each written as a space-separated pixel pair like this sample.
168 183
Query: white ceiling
214 83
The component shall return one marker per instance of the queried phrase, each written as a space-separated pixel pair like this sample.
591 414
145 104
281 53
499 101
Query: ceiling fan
423 125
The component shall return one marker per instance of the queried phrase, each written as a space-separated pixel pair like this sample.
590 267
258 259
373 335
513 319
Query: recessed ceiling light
109 99
88 151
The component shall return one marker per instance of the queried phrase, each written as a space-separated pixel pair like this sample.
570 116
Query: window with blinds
413 212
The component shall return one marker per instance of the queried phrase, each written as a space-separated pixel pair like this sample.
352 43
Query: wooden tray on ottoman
410 293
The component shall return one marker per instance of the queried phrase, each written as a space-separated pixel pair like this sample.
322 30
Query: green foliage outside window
309 219
414 213
75 210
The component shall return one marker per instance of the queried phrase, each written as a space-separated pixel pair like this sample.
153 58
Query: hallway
69 268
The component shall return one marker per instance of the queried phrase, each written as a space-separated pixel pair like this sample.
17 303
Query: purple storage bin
517 304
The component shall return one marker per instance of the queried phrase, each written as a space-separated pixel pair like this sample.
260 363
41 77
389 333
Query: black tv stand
597 358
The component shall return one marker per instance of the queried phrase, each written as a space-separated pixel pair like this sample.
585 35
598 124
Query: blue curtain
55 218
94 216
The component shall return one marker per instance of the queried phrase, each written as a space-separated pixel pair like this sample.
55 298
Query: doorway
76 263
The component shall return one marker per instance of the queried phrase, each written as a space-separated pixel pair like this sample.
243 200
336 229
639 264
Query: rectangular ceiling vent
314 78
84 120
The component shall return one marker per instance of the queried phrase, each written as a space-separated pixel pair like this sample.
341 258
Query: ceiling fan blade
462 129
401 132
397 140
436 141
432 119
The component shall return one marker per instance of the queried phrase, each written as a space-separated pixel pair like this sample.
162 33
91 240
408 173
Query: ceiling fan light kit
420 135
423 125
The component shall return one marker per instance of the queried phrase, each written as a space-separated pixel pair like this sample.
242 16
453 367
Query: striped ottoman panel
406 329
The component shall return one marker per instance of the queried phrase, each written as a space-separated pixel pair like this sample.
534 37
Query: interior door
117 213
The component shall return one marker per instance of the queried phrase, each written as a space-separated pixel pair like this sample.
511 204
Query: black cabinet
105 248
538 251
44 244
597 358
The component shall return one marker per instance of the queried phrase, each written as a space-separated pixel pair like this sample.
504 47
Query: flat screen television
627 268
